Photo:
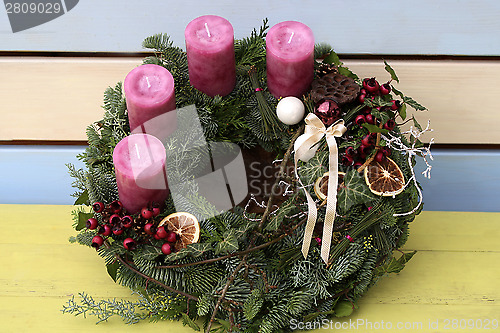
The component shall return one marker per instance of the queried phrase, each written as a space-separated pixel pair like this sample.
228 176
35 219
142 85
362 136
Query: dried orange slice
321 185
384 178
185 225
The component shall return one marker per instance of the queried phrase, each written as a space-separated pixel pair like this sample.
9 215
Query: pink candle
139 161
210 55
150 95
290 59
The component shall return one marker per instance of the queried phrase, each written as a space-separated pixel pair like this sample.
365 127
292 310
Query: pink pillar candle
139 161
149 92
290 59
210 55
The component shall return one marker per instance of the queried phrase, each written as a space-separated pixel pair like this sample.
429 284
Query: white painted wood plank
56 98
364 26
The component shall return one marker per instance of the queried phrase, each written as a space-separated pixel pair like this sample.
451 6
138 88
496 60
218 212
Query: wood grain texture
380 27
56 98
453 276
447 190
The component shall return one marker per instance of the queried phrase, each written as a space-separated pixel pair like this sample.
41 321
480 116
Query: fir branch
148 278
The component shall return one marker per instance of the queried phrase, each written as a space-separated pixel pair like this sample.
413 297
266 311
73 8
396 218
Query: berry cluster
378 109
113 221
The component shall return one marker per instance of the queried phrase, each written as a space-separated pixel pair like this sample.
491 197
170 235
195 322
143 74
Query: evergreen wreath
247 273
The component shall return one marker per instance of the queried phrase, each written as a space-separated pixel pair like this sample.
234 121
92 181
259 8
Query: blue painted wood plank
469 27
37 175
461 180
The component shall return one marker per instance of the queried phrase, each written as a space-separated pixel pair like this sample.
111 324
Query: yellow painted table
455 275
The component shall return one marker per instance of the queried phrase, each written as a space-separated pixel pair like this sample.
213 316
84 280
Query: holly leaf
391 71
333 58
347 72
83 198
414 104
228 244
397 92
113 269
374 128
394 265
417 125
402 111
82 220
354 192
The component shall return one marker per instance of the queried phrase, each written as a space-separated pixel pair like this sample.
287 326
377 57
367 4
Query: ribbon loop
305 147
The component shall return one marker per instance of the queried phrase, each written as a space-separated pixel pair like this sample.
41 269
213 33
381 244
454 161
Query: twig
248 250
281 174
148 278
224 291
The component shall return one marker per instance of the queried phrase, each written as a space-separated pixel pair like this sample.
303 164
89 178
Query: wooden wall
446 53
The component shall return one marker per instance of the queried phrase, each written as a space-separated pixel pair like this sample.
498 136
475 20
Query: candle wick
208 31
290 40
137 151
147 80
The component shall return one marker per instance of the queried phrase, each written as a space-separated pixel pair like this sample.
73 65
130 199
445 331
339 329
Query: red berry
387 151
385 89
156 211
92 223
97 241
371 85
390 124
361 98
126 221
367 140
360 119
129 244
115 219
347 160
161 232
98 207
117 230
166 249
370 119
149 228
350 151
146 213
395 105
105 230
379 157
171 237
366 110
155 236
364 151
116 207
357 164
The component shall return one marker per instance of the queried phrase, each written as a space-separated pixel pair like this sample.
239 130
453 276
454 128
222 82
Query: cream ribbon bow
304 150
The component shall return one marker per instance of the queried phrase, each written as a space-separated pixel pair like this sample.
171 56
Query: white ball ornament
290 110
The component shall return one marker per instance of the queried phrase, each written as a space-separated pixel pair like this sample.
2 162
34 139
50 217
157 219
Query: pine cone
335 86
325 69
